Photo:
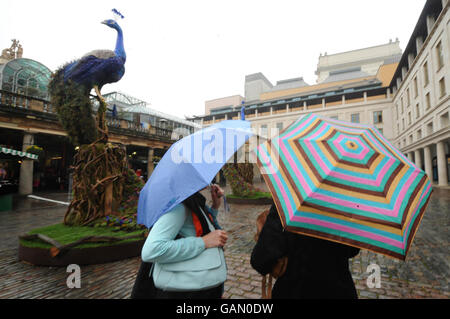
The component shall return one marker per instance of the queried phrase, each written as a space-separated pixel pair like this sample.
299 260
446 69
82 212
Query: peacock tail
73 107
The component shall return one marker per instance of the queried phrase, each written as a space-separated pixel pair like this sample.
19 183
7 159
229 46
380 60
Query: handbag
207 270
280 267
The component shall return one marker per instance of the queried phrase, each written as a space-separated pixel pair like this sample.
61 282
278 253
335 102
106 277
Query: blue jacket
161 247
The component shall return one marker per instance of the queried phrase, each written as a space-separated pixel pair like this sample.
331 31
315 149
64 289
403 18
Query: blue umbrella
188 166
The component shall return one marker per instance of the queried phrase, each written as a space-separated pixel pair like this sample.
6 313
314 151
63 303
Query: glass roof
25 76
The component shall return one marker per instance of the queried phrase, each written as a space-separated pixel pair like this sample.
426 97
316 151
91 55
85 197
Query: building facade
27 118
403 94
421 105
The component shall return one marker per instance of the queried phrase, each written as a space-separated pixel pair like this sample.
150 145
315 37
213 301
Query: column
418 159
441 164
365 96
26 168
287 107
150 165
428 164
410 156
304 106
343 99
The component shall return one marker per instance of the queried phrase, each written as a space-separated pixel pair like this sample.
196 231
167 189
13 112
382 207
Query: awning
17 153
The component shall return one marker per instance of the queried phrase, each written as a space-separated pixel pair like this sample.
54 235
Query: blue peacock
71 85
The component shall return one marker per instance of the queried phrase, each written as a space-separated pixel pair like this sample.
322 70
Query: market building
27 119
403 94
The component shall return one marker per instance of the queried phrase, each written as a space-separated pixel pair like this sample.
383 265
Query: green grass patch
256 195
69 234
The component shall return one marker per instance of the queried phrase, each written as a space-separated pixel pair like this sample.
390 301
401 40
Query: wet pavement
425 274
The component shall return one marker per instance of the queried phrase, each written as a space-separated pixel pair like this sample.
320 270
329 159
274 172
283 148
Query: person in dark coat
316 268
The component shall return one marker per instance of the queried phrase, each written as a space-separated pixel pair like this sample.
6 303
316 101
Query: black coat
316 268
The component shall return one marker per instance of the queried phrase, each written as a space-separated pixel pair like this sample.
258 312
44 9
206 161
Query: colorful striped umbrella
346 183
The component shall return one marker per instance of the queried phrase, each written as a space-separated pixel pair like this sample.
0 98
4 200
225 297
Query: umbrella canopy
188 166
344 182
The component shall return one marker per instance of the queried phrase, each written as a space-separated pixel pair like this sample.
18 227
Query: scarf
194 203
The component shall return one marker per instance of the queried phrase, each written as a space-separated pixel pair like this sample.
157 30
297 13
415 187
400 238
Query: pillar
418 159
304 106
343 99
26 168
441 164
150 165
428 163
410 156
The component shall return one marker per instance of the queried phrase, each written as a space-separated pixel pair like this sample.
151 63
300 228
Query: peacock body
72 83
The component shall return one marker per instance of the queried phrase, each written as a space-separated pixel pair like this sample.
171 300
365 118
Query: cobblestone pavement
425 274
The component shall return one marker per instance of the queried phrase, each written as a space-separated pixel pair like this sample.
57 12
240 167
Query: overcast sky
182 53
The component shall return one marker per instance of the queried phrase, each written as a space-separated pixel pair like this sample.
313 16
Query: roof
25 76
133 105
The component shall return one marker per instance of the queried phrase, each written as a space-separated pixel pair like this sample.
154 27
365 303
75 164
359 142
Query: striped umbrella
346 183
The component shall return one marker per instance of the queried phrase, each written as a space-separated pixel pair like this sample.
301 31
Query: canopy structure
25 76
18 153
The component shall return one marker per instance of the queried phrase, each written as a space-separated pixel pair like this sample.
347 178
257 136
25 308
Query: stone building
27 118
403 94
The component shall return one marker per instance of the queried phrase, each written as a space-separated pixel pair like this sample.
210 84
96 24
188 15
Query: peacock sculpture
101 173
71 85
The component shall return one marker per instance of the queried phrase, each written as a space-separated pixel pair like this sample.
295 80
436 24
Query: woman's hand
217 238
216 194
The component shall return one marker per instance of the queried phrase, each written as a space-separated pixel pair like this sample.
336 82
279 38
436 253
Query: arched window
25 76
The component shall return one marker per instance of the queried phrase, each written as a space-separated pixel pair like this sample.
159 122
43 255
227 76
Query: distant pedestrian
3 173
316 268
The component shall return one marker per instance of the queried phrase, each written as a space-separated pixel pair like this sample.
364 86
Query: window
263 131
440 55
427 101
410 139
430 128
401 104
415 87
378 117
334 117
407 97
355 118
419 134
426 79
279 126
444 120
417 111
442 89
396 110
409 118
403 124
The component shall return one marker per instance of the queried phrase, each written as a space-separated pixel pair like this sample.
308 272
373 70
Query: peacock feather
71 85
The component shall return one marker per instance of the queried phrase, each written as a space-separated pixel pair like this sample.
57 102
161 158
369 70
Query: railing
22 102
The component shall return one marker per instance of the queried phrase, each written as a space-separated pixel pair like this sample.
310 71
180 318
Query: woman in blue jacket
183 234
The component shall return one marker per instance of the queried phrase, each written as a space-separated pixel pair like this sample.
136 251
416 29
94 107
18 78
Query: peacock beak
105 22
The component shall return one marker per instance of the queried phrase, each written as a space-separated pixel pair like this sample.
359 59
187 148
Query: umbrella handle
225 204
